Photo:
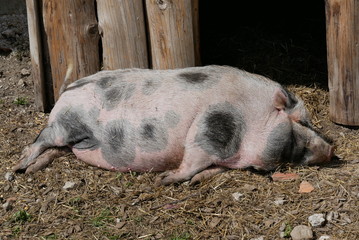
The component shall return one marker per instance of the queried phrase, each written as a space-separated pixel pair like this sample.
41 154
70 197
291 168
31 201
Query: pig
187 123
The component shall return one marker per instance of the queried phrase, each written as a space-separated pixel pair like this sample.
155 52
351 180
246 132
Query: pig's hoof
23 163
18 168
164 179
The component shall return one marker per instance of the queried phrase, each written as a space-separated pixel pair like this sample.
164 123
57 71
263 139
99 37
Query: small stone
237 195
279 177
279 201
305 187
316 220
9 176
324 237
7 188
7 206
345 218
25 72
215 221
301 232
69 185
15 189
282 227
258 238
21 83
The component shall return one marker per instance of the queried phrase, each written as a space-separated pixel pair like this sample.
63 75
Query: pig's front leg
194 162
207 173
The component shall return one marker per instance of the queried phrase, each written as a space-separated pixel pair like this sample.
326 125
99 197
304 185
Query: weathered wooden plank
170 33
72 35
342 17
36 55
122 28
196 32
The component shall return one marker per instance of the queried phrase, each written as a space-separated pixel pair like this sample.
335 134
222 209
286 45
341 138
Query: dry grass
110 205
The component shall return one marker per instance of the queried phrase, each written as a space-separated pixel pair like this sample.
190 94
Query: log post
72 36
170 28
342 17
36 54
196 35
122 28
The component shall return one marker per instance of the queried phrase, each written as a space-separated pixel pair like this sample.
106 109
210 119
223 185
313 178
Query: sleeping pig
190 123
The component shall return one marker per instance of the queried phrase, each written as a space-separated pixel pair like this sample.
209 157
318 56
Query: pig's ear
279 100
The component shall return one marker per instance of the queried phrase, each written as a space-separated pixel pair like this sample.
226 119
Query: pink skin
182 158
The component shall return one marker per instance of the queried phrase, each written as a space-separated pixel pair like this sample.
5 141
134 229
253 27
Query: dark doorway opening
283 40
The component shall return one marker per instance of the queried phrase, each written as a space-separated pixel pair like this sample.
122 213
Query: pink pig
191 123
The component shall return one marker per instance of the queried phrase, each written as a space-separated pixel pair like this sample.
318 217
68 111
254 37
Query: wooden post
72 35
196 35
122 28
36 56
342 18
170 33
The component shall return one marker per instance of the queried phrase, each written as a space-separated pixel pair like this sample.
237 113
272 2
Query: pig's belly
143 162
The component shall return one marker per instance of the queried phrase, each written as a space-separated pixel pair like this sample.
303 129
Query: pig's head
293 139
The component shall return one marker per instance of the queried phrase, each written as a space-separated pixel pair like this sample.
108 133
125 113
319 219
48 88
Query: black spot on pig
279 145
148 131
196 80
150 86
171 119
153 135
78 132
118 147
115 138
193 77
221 130
107 81
79 83
291 99
116 94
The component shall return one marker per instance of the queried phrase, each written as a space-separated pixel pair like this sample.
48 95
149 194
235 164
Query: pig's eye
305 123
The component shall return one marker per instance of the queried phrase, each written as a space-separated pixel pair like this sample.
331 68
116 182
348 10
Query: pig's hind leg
42 152
47 157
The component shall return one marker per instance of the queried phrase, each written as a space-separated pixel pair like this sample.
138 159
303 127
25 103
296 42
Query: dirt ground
237 204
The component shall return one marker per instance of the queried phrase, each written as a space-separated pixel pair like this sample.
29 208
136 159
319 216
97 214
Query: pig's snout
320 153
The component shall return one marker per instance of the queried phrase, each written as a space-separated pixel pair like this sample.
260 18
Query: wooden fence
76 38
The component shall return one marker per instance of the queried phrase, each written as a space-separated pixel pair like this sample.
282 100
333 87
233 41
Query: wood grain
122 28
36 54
72 35
196 32
342 17
170 33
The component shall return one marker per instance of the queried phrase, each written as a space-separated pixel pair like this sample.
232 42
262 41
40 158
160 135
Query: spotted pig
190 123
